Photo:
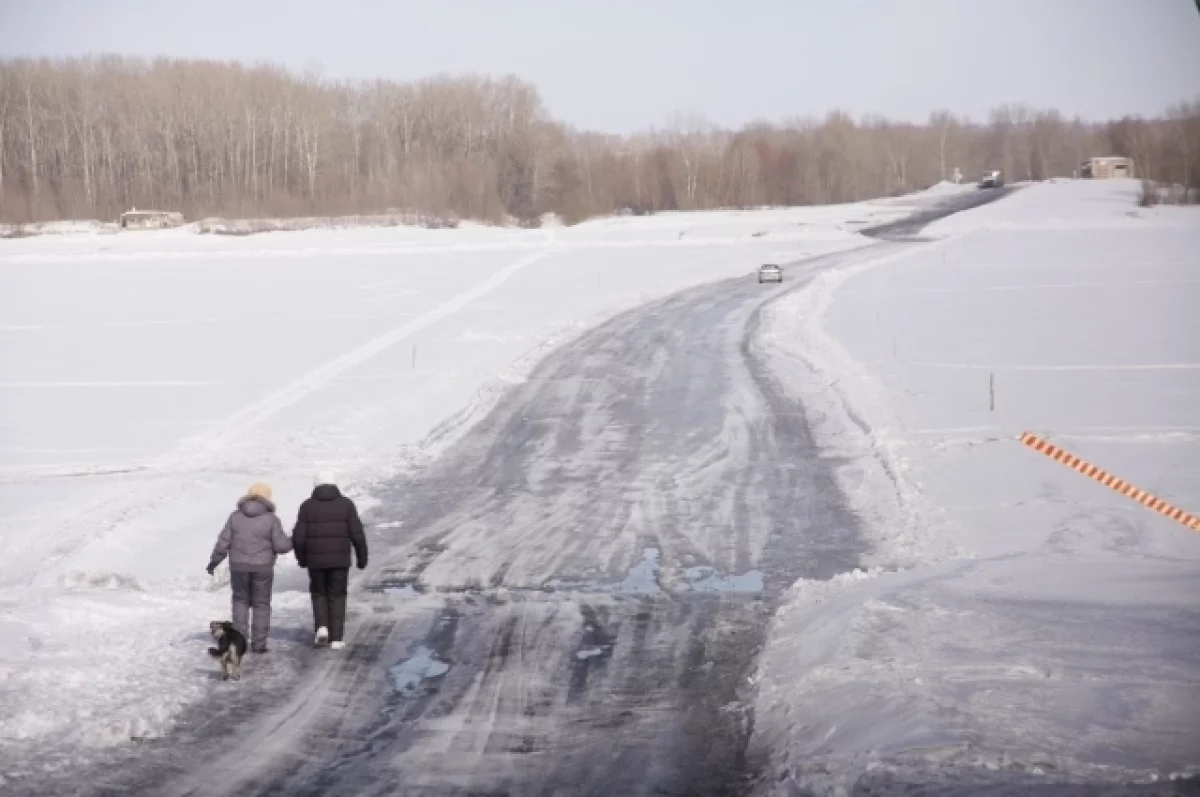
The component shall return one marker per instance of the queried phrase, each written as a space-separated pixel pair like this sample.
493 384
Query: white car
991 179
770 273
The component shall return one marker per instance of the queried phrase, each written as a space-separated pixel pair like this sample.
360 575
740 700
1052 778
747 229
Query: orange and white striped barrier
1108 480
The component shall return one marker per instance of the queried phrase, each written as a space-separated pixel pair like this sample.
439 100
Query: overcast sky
622 65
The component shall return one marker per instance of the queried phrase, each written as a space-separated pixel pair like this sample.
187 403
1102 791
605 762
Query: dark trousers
252 591
328 589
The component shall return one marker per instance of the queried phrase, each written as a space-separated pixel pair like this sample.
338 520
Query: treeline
89 138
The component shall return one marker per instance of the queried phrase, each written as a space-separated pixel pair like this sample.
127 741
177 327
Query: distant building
134 219
1105 168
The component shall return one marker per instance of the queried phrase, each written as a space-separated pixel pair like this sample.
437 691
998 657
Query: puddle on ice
405 591
408 676
707 579
642 579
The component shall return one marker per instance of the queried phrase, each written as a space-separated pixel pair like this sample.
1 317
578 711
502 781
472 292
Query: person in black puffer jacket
327 530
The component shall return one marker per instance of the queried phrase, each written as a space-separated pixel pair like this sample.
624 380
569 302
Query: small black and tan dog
230 649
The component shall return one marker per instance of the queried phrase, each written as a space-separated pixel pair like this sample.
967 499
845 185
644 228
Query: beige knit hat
260 490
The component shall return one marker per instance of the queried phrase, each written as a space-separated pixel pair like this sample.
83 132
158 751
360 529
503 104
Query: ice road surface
1022 623
147 378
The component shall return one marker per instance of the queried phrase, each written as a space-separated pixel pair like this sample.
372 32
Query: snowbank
151 376
101 661
1020 623
939 190
81 227
220 226
1101 205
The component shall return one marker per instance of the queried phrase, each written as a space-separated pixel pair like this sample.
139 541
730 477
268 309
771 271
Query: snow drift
1019 623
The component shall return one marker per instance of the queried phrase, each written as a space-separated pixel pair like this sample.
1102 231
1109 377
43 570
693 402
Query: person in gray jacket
252 538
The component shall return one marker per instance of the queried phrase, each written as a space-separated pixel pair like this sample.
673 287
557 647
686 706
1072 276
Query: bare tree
93 136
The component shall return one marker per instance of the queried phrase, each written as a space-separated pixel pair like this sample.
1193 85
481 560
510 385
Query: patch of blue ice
406 677
642 578
405 591
707 579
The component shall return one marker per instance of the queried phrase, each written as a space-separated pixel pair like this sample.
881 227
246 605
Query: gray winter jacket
252 537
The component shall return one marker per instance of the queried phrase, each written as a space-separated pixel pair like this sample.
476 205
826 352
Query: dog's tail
216 654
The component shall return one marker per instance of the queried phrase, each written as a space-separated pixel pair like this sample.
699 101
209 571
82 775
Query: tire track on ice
655 431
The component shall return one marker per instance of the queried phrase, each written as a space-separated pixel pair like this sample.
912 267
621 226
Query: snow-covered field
1020 617
147 378
1023 621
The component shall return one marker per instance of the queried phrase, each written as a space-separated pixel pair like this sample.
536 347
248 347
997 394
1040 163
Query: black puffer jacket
326 529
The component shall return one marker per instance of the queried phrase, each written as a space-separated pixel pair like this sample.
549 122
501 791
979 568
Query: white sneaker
337 645
322 636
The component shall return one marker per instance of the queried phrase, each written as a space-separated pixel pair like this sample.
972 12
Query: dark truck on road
991 180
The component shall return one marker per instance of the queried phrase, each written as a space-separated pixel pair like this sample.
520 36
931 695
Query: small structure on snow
1106 167
134 219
